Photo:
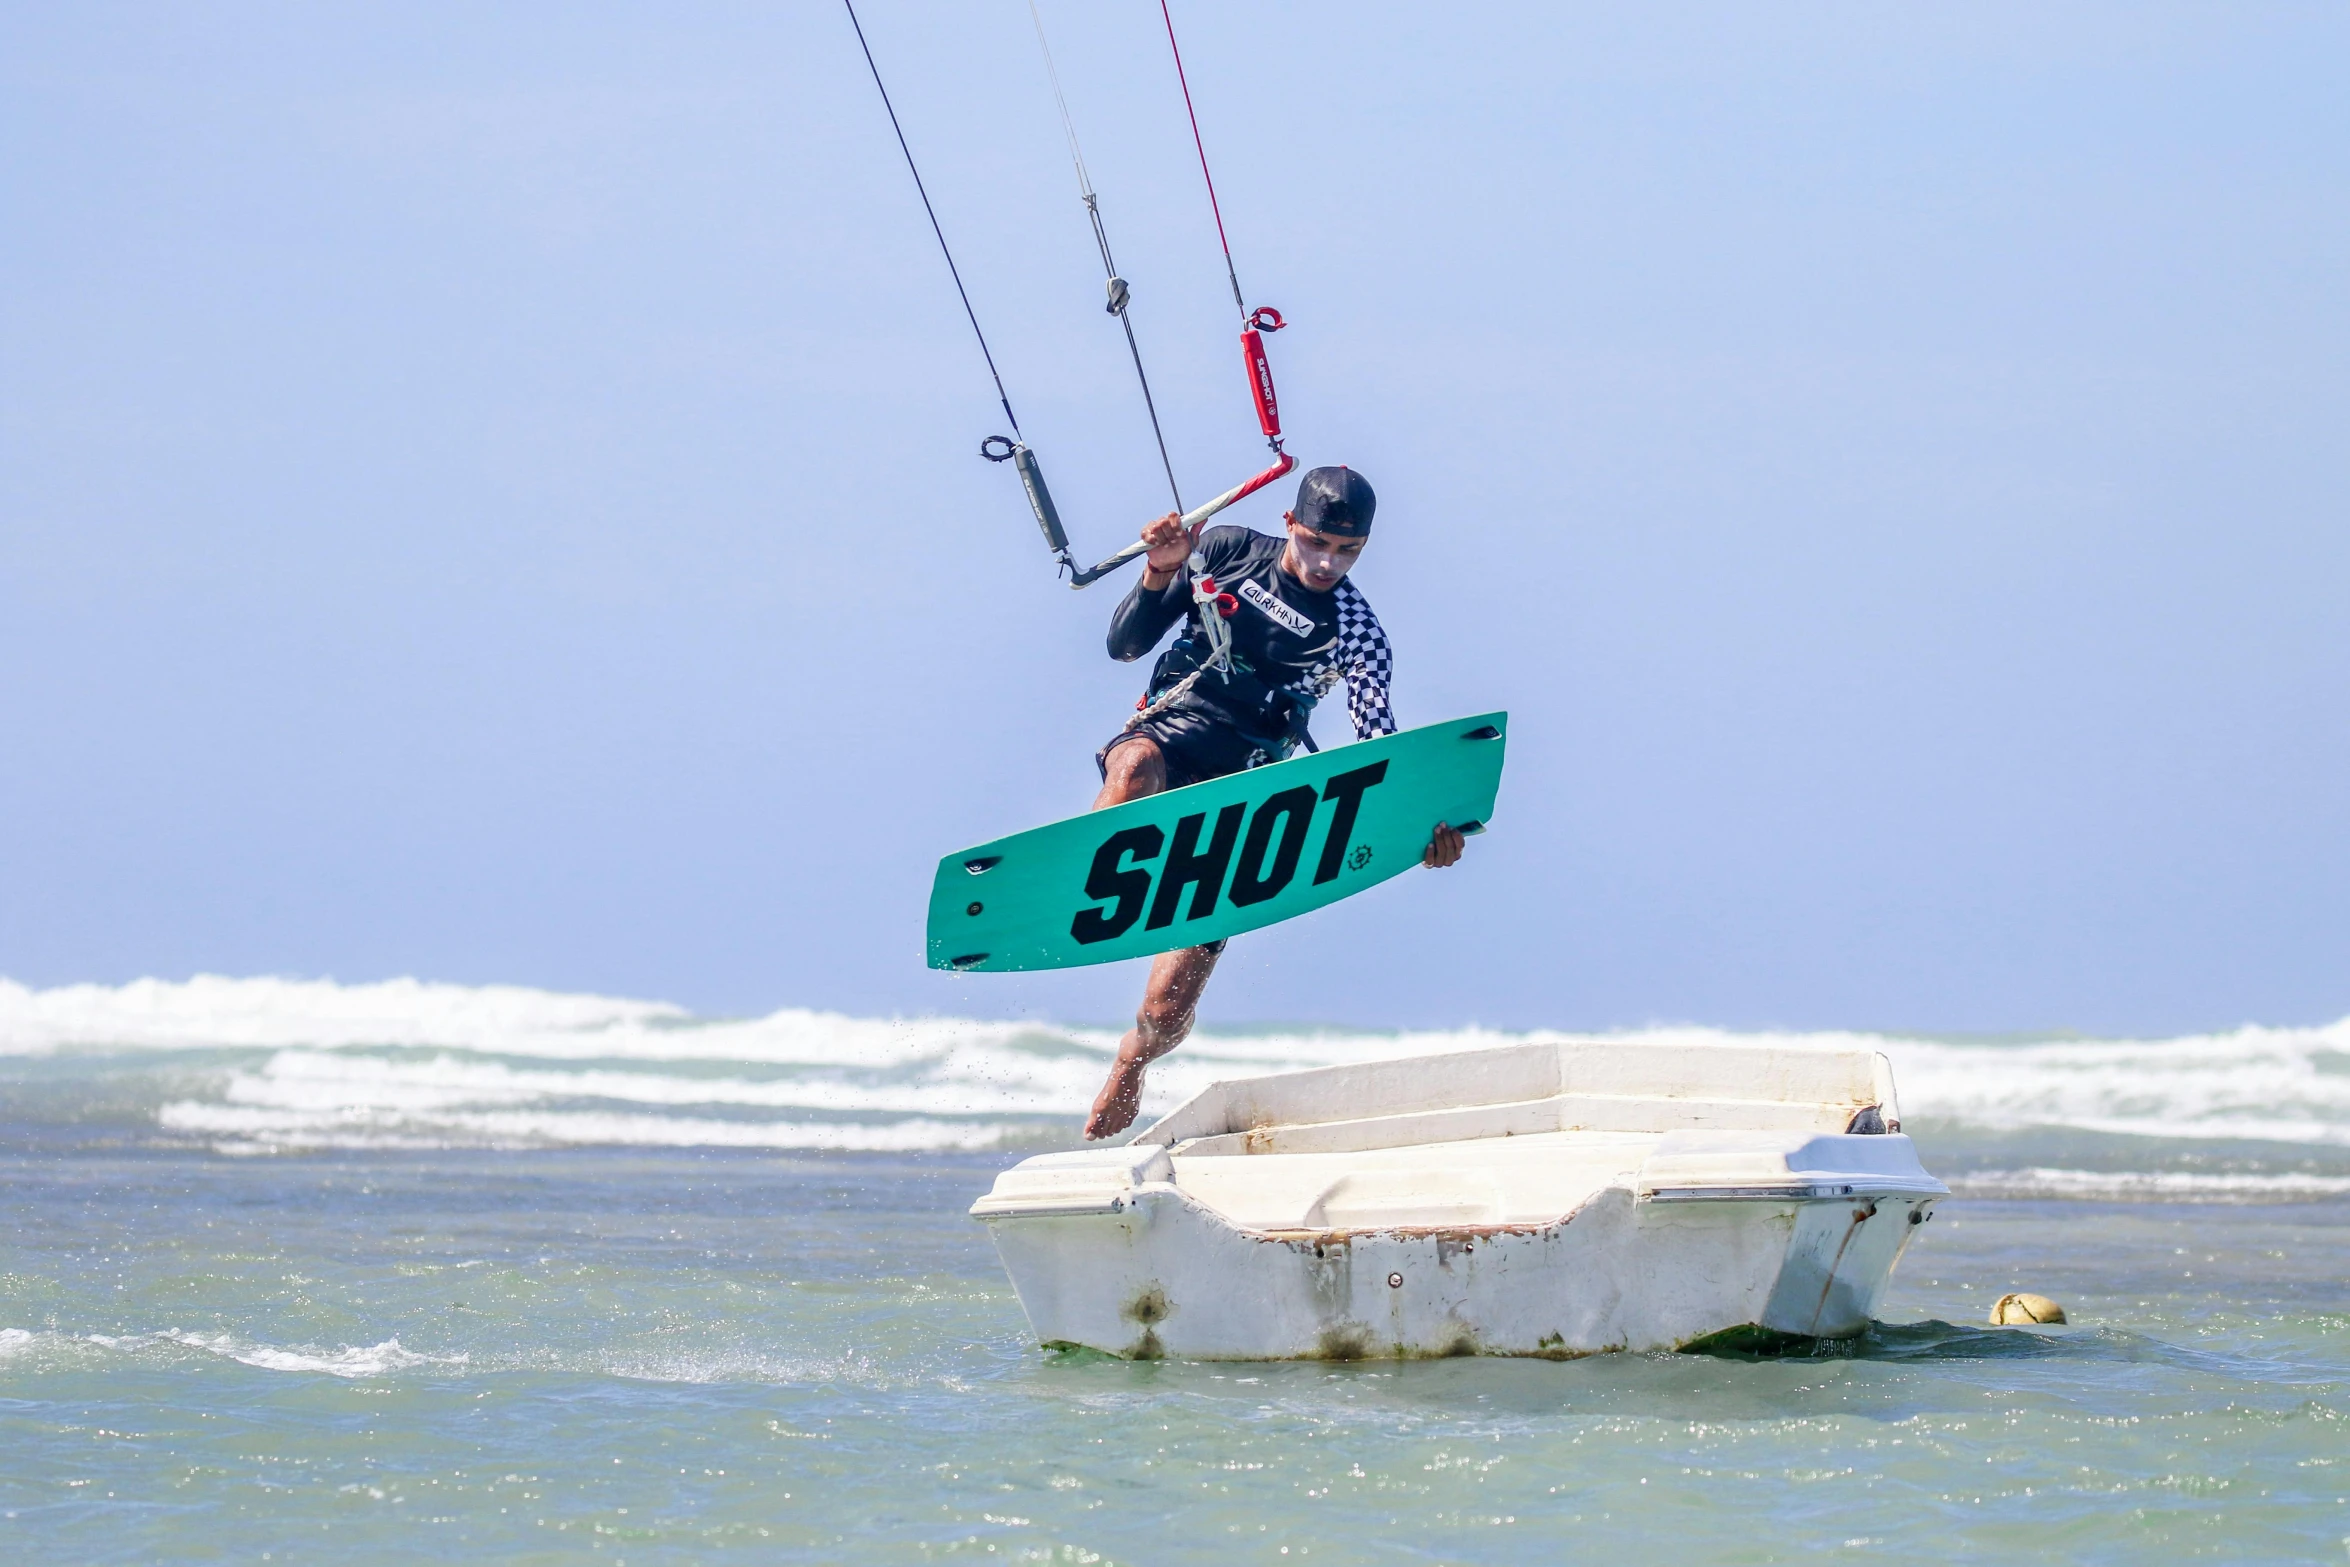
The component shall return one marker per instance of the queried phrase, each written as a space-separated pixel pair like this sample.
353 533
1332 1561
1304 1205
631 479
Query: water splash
265 1065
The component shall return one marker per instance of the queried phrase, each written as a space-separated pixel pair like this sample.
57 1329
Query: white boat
1551 1199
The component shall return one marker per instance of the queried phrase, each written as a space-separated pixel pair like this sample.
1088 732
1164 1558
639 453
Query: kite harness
1213 606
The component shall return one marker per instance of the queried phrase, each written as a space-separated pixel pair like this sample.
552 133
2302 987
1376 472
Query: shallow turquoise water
678 1356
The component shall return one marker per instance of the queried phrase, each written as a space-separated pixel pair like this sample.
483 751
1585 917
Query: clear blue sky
488 493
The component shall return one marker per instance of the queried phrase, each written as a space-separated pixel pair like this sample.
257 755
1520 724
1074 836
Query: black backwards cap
1336 500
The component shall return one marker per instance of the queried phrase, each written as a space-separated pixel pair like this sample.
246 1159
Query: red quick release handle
1227 606
1260 384
1265 319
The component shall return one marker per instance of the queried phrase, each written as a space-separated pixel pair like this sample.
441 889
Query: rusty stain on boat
1148 1308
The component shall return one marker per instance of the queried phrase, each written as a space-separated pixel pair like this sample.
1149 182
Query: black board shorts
1196 748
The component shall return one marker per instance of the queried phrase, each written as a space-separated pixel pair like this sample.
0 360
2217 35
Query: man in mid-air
1298 629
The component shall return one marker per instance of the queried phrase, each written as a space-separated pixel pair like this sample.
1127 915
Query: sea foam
263 1065
351 1361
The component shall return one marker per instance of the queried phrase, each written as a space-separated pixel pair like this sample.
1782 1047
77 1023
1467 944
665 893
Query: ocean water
312 1272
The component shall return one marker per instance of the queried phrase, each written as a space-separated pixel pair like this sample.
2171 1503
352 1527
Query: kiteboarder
1297 628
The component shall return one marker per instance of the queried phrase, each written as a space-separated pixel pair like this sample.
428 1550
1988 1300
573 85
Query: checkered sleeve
1362 653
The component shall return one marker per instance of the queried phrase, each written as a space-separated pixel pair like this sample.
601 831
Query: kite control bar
1002 448
1193 520
1011 449
1254 324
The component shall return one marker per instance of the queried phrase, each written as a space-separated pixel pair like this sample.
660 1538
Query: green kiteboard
1230 855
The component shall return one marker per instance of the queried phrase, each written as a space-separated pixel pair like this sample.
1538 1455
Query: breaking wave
2152 1185
351 1361
251 1066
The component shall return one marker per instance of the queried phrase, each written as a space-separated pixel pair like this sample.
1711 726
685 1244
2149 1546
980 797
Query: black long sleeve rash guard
1290 645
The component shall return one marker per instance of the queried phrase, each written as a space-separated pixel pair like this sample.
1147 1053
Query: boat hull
1163 1275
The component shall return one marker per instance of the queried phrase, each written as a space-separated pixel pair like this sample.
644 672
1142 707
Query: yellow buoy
2019 1308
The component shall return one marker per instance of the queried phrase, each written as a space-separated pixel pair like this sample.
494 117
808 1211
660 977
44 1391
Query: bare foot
1115 1106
